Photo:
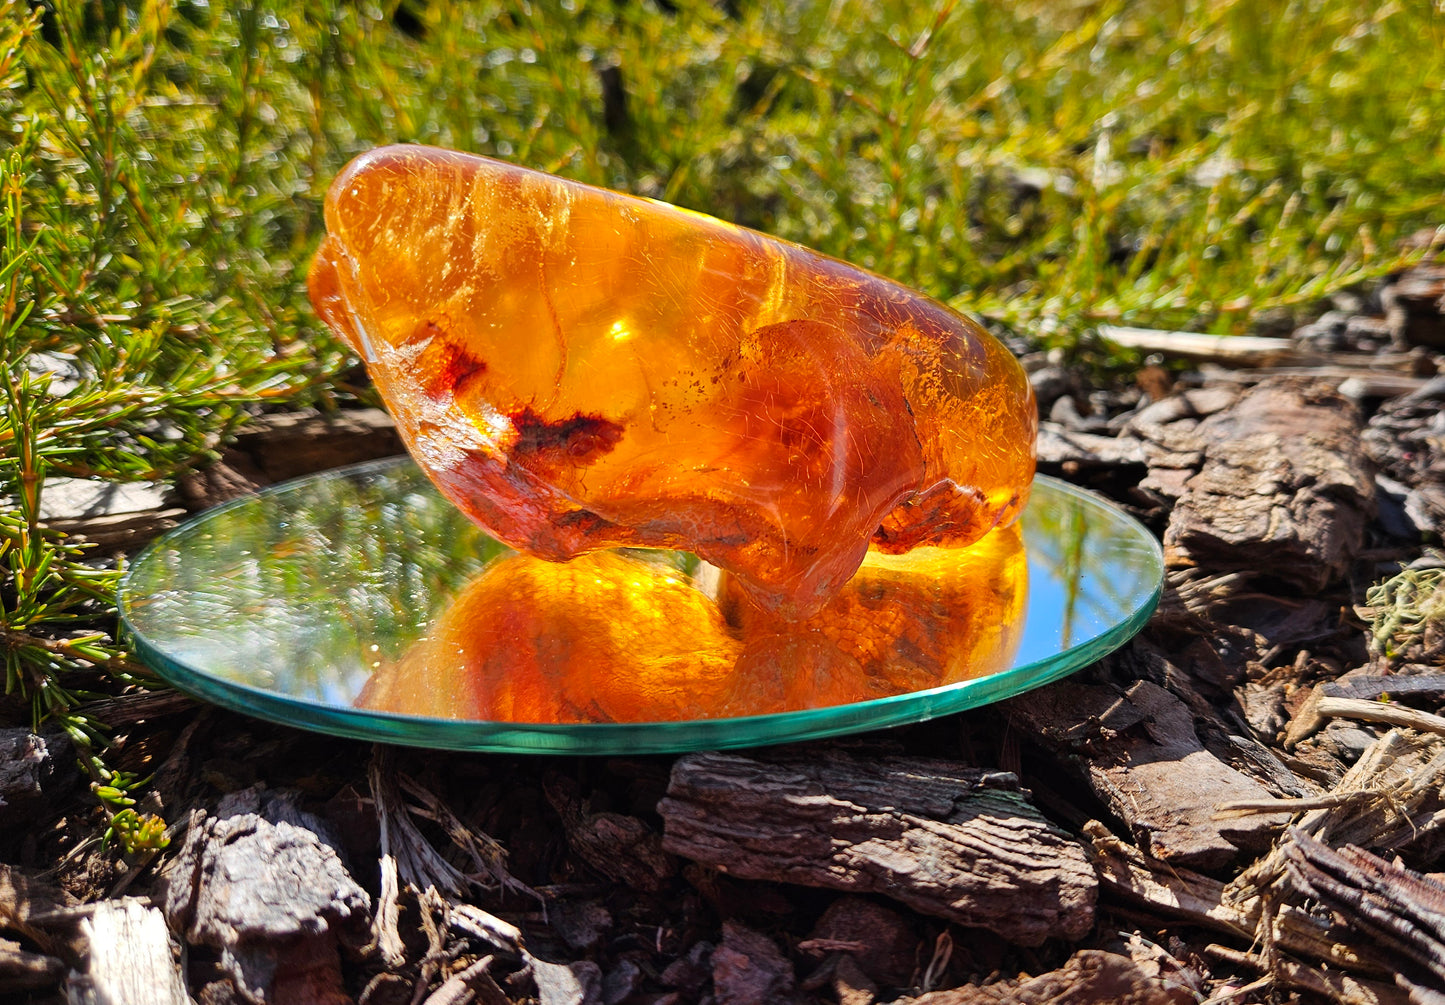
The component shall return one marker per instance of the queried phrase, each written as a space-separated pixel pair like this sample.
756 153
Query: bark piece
79 498
689 973
1400 909
298 443
1058 446
1142 757
28 906
851 984
955 842
1406 441
22 970
262 885
749 969
112 515
1415 305
1127 875
130 958
1189 405
1090 975
1285 487
30 771
878 939
620 847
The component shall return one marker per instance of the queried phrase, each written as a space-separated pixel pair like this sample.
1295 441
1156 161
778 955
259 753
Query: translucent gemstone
578 369
611 638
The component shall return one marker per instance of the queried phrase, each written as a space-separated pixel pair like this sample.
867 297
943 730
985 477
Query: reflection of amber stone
934 616
579 369
602 638
609 638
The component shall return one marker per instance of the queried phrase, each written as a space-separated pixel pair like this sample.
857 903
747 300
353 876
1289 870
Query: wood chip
1376 711
130 960
1180 893
1090 975
749 969
23 970
1141 755
1240 350
1404 772
271 894
954 842
1308 719
1285 488
576 983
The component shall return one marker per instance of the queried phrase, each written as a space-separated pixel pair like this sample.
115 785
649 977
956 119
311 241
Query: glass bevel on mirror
358 602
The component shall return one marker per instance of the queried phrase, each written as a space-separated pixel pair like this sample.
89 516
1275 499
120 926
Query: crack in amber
578 369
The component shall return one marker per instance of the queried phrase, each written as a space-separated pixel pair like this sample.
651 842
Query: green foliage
136 832
1407 616
1052 165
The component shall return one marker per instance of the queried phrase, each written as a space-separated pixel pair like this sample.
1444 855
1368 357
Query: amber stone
579 369
613 638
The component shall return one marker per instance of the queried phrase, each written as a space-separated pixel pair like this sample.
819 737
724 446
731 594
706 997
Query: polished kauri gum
578 369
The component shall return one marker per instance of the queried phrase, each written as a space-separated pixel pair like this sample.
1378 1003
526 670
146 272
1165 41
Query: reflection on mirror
627 637
360 602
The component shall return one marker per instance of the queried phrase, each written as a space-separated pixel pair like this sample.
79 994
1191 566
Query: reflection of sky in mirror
1088 569
303 592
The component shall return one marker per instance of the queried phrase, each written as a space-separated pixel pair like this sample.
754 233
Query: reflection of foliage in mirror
1097 562
363 563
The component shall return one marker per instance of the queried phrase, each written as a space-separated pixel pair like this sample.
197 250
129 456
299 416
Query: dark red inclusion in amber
578 369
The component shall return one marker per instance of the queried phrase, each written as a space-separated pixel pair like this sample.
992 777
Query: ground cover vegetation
1213 166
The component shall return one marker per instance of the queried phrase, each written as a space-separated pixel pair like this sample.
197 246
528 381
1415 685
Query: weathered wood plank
954 842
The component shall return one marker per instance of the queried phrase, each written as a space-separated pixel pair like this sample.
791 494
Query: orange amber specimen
609 638
579 369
